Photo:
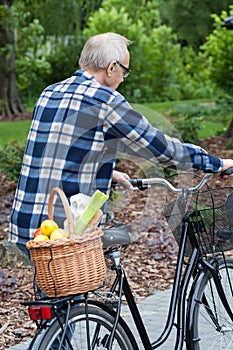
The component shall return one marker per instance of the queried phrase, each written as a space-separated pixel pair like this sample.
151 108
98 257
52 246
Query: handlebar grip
228 171
136 182
139 184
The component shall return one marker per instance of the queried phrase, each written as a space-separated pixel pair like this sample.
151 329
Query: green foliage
17 130
200 120
155 57
162 65
11 157
69 18
7 19
139 10
26 45
191 20
196 75
223 112
48 43
32 63
196 110
161 69
188 127
63 56
224 103
218 51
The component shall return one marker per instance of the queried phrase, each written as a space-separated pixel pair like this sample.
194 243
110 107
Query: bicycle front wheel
212 328
98 327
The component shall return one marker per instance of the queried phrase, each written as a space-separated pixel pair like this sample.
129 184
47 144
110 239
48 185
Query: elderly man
78 126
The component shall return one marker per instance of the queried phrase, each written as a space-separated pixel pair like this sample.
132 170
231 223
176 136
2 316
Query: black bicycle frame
178 296
177 299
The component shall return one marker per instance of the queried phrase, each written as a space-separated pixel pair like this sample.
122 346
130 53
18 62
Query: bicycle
93 320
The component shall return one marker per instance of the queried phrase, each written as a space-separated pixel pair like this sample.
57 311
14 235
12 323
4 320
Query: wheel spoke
212 326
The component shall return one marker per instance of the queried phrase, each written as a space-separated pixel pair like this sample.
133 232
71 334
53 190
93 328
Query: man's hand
122 178
227 163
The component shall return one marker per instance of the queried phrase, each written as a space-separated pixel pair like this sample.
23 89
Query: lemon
41 238
58 233
48 226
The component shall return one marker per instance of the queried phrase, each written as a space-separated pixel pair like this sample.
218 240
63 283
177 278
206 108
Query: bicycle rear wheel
212 327
100 325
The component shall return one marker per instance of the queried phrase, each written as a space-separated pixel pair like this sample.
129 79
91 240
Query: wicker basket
69 266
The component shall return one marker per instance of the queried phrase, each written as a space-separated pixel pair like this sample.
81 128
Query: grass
213 118
159 114
168 105
11 131
210 128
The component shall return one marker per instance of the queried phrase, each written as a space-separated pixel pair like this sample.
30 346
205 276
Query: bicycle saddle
116 235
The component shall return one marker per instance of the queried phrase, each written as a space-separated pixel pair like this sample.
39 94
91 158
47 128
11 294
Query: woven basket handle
57 190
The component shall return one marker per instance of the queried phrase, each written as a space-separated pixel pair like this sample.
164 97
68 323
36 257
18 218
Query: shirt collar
84 73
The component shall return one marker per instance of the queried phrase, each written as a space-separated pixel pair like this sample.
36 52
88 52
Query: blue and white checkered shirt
77 128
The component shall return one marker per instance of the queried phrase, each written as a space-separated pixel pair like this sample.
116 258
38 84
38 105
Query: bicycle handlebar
228 171
143 184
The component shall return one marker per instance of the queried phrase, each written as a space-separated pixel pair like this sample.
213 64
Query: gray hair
100 50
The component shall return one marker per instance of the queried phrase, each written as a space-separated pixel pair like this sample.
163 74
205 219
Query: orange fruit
48 226
38 232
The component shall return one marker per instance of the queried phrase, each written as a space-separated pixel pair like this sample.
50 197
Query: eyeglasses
126 71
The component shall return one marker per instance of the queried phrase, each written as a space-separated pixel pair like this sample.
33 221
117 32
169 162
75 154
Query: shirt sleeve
138 137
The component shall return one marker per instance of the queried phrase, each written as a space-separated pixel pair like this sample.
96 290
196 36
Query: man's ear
111 67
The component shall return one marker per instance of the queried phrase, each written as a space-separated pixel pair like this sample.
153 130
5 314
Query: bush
218 52
196 76
155 54
209 118
63 57
11 157
188 127
31 63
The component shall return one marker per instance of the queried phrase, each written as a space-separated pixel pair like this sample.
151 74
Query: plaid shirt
77 128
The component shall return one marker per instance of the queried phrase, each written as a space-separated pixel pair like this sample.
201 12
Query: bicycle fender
192 300
38 337
193 297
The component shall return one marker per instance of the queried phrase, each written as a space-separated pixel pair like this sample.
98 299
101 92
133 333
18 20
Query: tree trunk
10 103
229 132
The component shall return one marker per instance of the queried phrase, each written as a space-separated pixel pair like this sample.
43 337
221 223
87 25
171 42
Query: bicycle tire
204 333
100 323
